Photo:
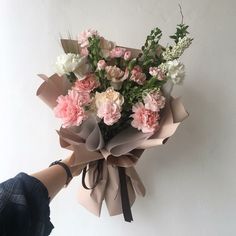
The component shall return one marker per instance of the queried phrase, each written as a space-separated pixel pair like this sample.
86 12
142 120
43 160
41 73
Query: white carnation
67 63
175 71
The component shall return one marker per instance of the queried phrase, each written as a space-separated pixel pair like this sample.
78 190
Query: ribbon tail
113 193
124 195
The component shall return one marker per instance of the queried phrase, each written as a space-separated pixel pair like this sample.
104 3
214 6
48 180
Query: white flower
177 50
175 71
163 68
67 63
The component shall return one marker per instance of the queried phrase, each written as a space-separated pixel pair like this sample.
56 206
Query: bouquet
114 102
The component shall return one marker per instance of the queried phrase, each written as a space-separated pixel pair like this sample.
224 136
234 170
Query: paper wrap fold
123 150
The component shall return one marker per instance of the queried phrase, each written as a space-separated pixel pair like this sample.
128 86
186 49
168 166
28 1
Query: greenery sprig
149 55
94 51
181 32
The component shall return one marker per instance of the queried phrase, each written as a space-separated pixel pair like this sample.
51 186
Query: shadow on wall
165 167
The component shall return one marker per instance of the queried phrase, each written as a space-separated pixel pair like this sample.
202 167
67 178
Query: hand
74 168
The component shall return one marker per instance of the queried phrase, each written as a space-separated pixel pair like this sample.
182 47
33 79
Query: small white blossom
163 67
175 71
67 63
177 50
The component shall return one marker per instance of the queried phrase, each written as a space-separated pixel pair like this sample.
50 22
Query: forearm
54 178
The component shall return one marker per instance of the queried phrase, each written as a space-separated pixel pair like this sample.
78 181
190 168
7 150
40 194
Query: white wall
191 181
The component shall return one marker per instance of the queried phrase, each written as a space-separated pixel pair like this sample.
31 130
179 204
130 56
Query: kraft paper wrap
123 150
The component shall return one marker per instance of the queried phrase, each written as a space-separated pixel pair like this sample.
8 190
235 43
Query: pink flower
84 51
161 75
137 75
69 109
154 101
136 70
144 119
84 98
83 37
153 71
127 55
101 65
109 111
117 52
156 72
87 84
114 73
84 42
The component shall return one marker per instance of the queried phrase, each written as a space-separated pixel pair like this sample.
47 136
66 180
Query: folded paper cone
122 151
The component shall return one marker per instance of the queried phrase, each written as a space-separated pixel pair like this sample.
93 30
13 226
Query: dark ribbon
123 187
97 177
124 195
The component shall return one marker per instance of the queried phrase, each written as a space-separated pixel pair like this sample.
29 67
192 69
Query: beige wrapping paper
52 88
123 150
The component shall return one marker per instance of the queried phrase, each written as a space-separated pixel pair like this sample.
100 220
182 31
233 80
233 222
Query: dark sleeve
24 207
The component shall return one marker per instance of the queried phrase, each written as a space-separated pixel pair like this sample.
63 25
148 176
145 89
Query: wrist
66 169
70 162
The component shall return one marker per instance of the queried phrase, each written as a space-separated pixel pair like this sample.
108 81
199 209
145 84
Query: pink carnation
69 109
101 65
87 84
114 72
84 52
83 37
144 119
84 98
117 52
127 55
153 71
154 101
137 75
84 42
157 72
110 112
